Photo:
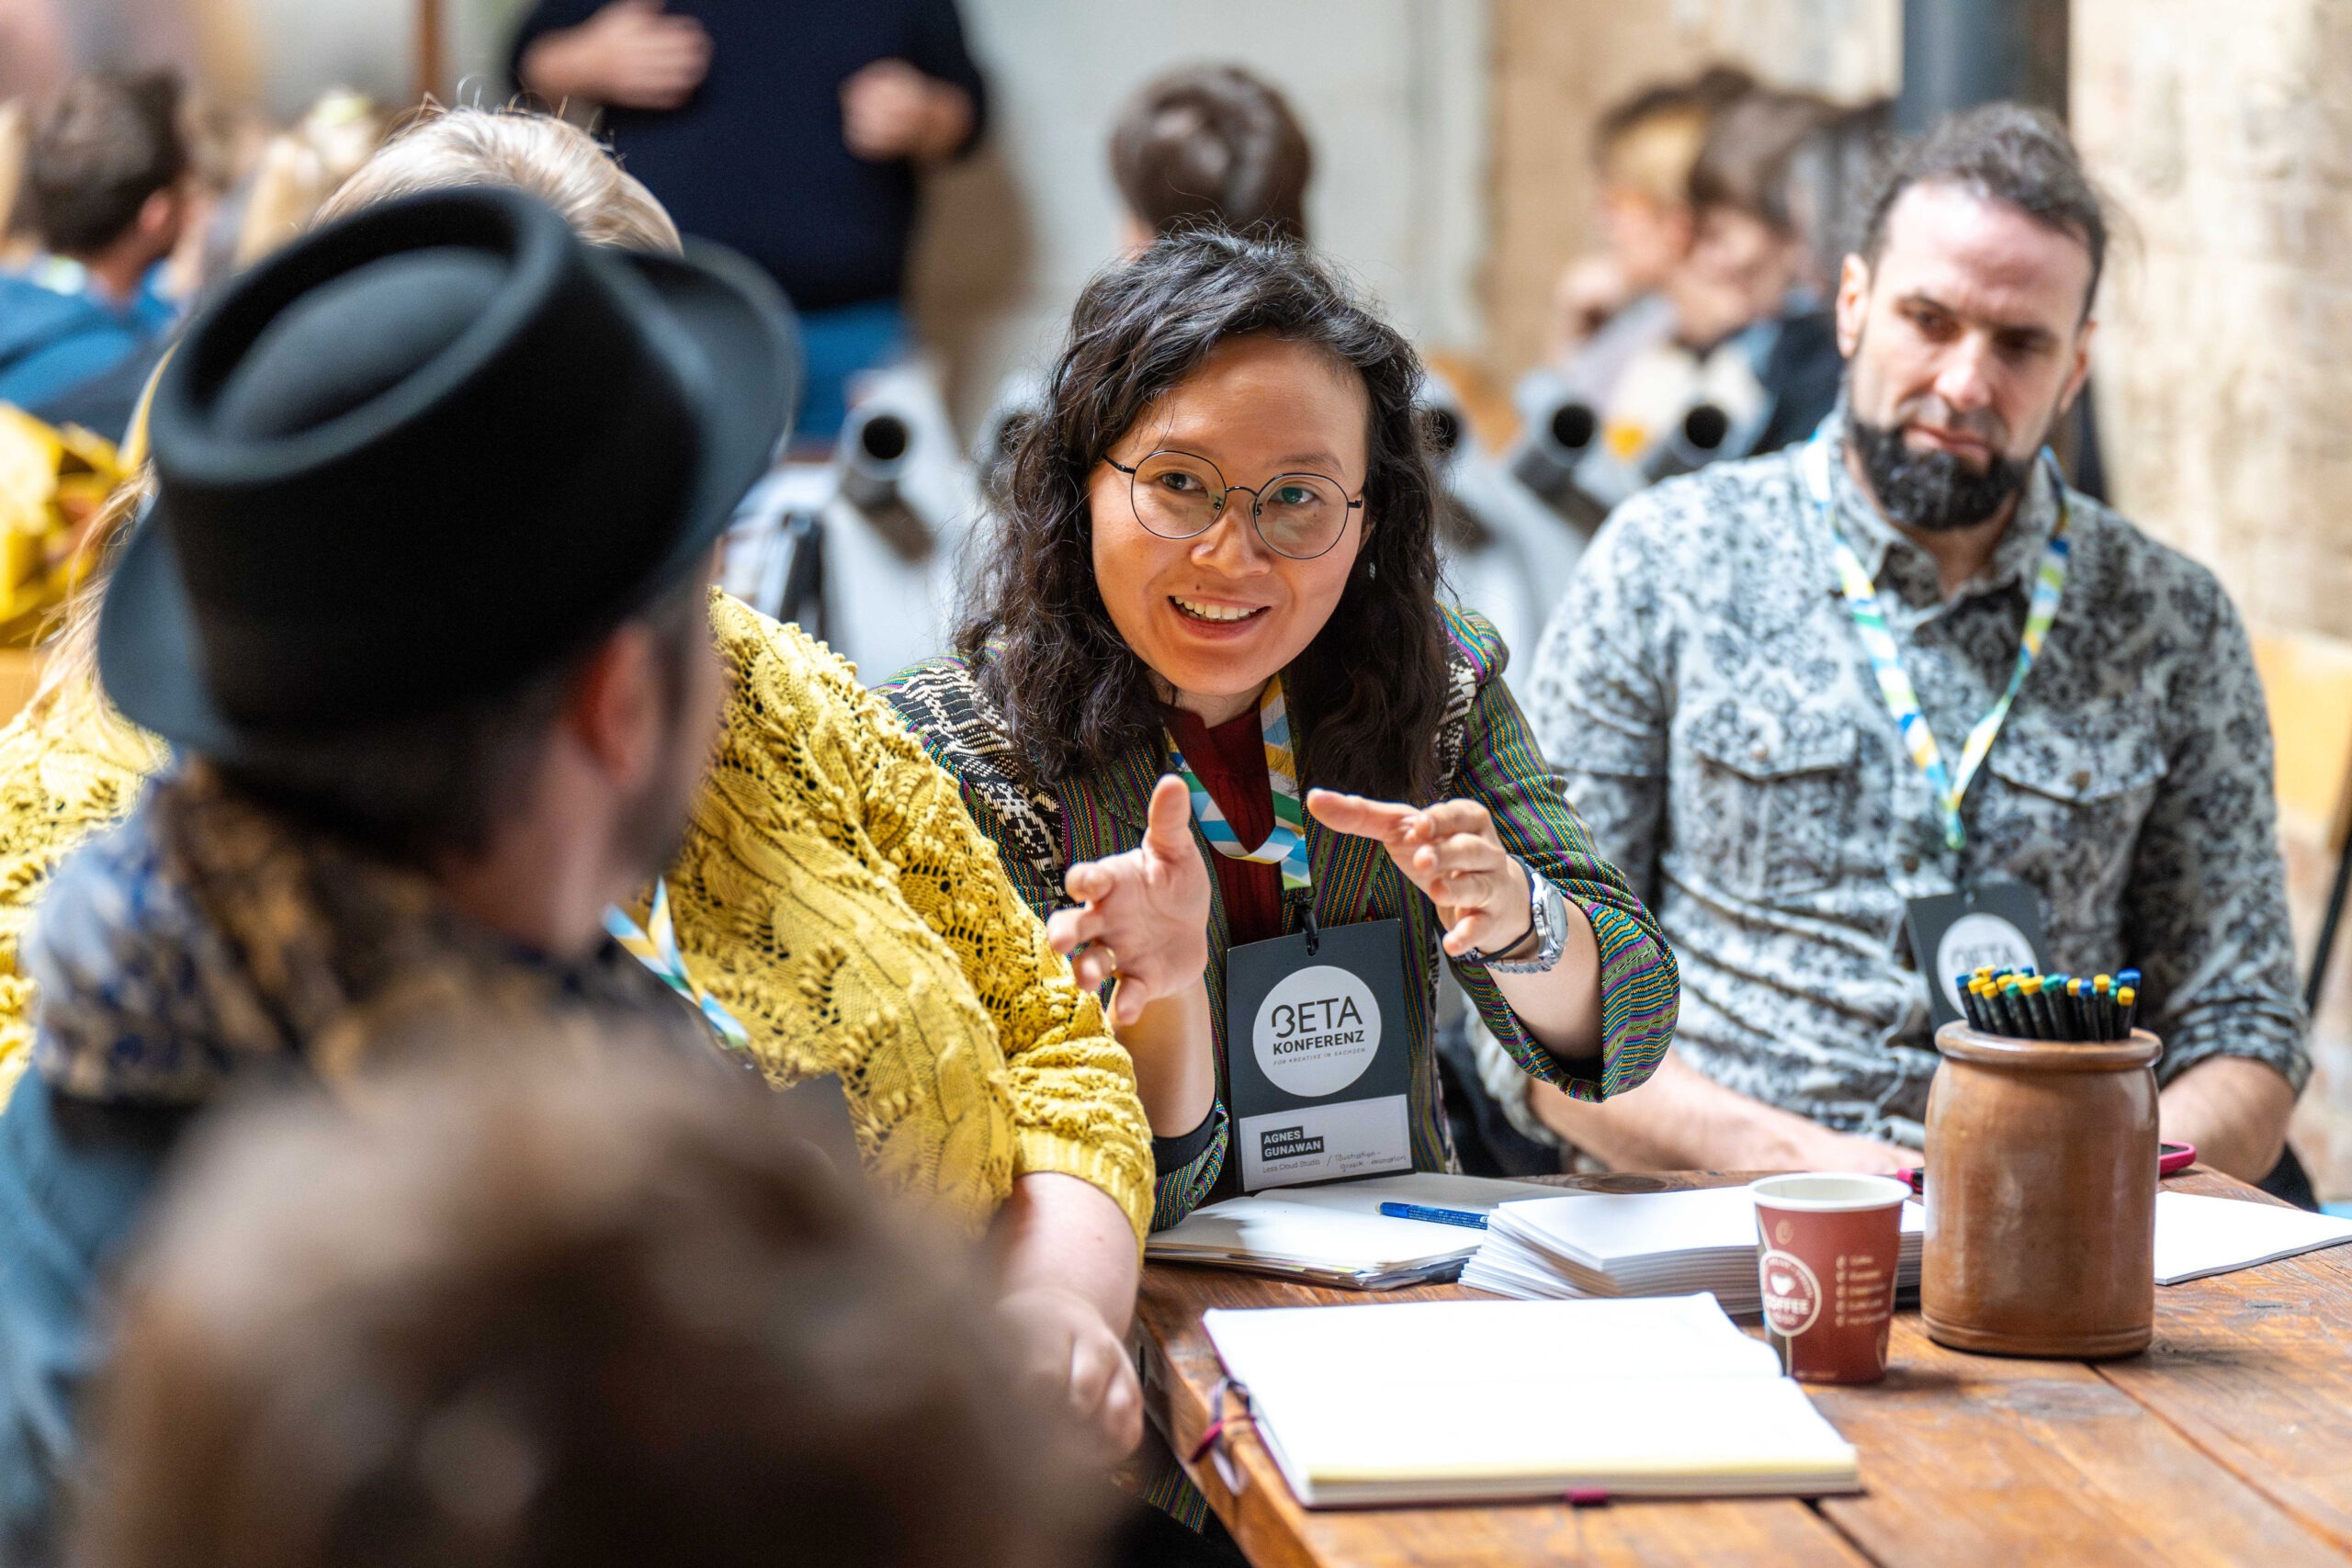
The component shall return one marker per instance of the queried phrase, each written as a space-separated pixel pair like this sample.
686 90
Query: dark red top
1230 763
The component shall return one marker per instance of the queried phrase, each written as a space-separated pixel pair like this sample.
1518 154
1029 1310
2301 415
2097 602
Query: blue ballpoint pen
1435 1216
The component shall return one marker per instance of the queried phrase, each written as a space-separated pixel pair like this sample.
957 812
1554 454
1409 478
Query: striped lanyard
1902 699
655 946
1287 845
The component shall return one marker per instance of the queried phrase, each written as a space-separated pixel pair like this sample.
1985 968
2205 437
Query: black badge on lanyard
1316 1054
1993 922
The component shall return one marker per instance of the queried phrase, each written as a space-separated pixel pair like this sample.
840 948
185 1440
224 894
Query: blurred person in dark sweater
788 129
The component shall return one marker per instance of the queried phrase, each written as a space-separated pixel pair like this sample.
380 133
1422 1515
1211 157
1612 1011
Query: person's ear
613 707
158 222
2082 371
1853 303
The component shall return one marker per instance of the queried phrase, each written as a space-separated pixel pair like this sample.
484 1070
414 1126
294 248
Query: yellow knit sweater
831 892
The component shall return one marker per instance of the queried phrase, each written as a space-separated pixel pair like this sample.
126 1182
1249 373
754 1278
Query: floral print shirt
1704 692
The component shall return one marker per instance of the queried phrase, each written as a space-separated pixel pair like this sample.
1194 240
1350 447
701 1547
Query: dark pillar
1959 54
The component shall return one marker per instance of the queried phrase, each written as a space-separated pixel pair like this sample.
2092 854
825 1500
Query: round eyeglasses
1179 496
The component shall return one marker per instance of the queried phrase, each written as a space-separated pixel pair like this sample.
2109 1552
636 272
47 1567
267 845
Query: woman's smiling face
1217 614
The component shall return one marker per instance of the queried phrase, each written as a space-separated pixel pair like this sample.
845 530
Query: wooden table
2229 1441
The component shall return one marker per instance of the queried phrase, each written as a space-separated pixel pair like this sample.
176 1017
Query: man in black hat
405 793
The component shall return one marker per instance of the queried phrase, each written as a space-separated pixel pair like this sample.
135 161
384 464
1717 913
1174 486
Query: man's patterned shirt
1704 692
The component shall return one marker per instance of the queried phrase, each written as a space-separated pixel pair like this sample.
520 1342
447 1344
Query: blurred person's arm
628 55
890 110
1588 293
2235 1109
929 104
1069 1269
1683 1120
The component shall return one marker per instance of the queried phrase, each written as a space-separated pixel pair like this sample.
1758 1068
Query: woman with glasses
1263 782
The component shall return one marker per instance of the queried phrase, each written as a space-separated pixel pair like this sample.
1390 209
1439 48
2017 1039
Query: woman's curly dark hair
1367 694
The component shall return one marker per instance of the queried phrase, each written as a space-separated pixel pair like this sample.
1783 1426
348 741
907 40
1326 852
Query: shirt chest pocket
2064 810
1770 797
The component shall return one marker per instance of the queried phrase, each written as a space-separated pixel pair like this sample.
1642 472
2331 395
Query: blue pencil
1434 1216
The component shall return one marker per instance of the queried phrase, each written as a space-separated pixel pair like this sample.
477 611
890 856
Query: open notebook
1336 1235
1440 1402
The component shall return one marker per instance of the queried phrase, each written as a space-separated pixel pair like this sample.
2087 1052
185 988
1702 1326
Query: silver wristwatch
1547 913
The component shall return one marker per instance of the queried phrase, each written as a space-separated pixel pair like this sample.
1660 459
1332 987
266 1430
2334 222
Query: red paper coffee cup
1830 1244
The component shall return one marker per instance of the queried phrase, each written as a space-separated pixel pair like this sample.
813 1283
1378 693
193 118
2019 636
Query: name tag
1996 923
1316 1055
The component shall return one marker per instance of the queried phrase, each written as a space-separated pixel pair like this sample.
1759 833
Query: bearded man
2058 726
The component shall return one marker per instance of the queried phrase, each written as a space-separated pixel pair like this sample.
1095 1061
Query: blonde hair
1655 155
552 159
302 166
538 154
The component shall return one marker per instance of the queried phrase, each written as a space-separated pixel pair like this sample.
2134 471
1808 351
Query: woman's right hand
1142 915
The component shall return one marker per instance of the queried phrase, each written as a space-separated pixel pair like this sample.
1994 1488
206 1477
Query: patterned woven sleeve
2205 908
1189 1168
1501 768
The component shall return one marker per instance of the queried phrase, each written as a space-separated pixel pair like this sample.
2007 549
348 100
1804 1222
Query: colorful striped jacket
1485 754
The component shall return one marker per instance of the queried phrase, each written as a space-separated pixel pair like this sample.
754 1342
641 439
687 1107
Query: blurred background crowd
1612 229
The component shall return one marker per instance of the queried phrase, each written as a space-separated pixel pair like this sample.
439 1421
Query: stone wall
2225 374
2225 134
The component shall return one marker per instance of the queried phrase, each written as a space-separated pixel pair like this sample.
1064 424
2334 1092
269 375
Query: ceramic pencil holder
2042 1195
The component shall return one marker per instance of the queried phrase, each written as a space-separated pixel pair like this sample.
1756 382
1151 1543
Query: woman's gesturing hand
1450 853
1143 916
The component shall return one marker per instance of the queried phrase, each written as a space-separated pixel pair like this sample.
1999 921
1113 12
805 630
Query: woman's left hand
1452 853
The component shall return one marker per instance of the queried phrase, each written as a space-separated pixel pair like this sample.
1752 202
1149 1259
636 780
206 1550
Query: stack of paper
1336 1235
1440 1402
1641 1243
2198 1236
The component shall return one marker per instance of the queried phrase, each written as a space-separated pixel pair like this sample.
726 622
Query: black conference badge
1995 922
1316 1055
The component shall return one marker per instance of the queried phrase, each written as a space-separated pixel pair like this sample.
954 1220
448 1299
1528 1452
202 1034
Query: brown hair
1649 141
2018 156
539 1310
1368 693
99 152
1213 145
1744 163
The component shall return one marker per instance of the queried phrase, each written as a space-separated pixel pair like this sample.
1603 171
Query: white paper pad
1336 1234
1641 1244
1424 1401
2198 1236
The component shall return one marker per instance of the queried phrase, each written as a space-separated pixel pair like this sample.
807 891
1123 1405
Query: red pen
2171 1158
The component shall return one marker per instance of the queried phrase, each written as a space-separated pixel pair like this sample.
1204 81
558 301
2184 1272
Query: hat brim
151 651
750 338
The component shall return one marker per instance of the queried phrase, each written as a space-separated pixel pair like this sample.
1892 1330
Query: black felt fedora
427 452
